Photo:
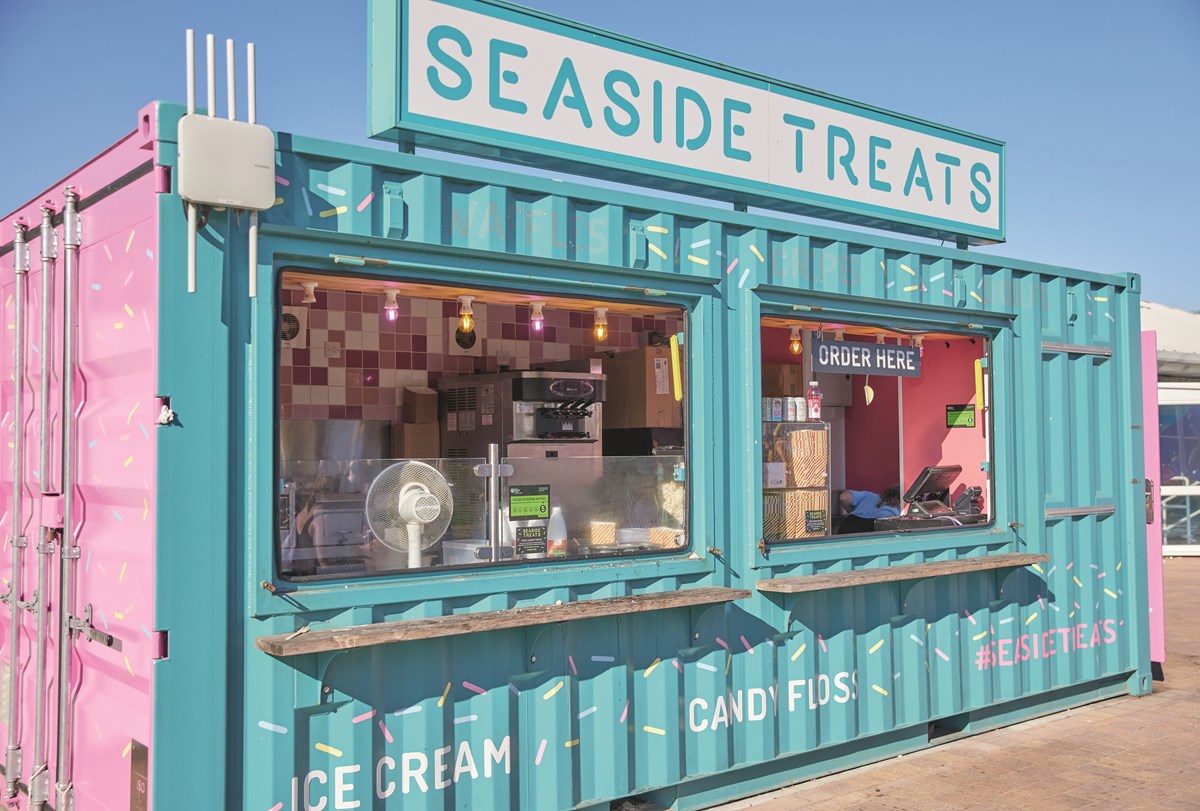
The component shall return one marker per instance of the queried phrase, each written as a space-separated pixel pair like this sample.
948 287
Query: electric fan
409 507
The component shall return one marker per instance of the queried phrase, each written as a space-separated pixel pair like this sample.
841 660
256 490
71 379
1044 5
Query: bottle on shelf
813 401
556 534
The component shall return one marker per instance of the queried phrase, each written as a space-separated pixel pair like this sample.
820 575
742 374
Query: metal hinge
39 788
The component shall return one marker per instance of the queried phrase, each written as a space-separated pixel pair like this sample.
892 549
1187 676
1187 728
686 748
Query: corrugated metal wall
598 709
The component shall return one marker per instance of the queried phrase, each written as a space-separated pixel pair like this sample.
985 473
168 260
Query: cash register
928 505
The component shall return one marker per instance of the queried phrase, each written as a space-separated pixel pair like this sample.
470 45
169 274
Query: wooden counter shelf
382 633
904 571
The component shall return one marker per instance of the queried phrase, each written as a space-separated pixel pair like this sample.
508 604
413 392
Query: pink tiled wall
378 356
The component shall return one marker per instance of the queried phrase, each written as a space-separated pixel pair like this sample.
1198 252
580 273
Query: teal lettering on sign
489 78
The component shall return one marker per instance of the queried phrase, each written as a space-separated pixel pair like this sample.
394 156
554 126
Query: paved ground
1123 753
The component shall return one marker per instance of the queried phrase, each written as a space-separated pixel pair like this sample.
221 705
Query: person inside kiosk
849 410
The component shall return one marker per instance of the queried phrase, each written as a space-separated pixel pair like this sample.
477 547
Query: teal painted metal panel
696 704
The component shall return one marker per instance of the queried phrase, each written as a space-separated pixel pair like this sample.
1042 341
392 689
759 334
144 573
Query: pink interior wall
873 436
363 383
115 453
947 377
1154 553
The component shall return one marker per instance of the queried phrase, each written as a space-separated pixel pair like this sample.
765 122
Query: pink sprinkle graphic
571 660
821 640
722 643
537 761
749 648
678 666
624 712
366 201
474 688
1069 565
282 181
387 736
366 716
972 619
732 265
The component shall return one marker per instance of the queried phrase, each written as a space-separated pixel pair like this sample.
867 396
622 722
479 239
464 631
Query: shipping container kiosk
717 637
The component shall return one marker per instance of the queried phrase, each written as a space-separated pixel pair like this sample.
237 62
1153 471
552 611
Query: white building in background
1178 334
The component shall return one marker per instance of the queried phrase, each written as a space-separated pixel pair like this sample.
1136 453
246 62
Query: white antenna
191 207
230 87
252 262
224 163
212 75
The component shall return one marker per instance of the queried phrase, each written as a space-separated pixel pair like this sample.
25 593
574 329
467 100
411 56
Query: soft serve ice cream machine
526 413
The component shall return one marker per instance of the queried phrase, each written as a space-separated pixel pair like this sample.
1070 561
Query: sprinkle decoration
879 689
572 742
907 269
334 190
697 259
722 643
571 661
754 250
333 212
661 253
624 713
748 646
366 201
650 669
474 688
976 296
604 659
972 619
276 728
387 736
445 693
327 749
586 712
732 265
706 666
1031 617
1110 594
466 719
128 748
366 716
944 657
1078 582
979 636
657 229
537 761
874 647
551 692
1037 568
821 641
129 242
910 288
654 730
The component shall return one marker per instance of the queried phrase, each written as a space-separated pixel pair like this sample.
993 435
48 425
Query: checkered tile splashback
378 357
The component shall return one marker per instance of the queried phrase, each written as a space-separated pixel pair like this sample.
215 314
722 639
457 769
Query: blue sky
1098 101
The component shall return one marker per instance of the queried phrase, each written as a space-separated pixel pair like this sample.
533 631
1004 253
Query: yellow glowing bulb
601 332
795 347
466 323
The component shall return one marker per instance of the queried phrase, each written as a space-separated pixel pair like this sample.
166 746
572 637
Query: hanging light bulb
601 331
537 318
879 338
391 307
466 319
919 343
839 335
310 294
794 345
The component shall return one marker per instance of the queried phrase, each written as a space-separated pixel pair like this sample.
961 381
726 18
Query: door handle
1149 501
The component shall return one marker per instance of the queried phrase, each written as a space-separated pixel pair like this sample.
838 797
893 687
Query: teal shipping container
504 491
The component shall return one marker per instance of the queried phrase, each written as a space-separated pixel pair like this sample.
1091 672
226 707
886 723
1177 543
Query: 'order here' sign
494 79
851 357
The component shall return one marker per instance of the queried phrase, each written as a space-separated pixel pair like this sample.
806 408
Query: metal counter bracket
83 625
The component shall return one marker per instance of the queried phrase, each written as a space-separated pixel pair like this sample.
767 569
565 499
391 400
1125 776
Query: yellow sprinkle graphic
1110 594
799 651
118 615
1118 567
128 666
1072 614
128 462
119 325
333 212
128 311
697 260
445 693
1037 568
129 241
278 201
657 229
882 266
657 250
1077 581
145 509
1032 617
324 747
550 693
907 269
570 743
728 662
129 416
876 646
121 576
1101 298
910 288
654 730
128 748
650 669
879 689
755 251
977 297
979 636
9 301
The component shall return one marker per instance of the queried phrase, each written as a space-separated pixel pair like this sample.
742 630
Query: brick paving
1122 753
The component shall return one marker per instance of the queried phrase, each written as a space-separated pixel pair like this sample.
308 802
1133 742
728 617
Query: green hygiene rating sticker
528 501
960 416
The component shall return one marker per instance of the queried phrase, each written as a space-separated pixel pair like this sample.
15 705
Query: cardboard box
783 380
640 391
418 404
416 440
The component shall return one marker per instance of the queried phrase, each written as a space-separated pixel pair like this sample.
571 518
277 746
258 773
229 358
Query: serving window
424 427
867 429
